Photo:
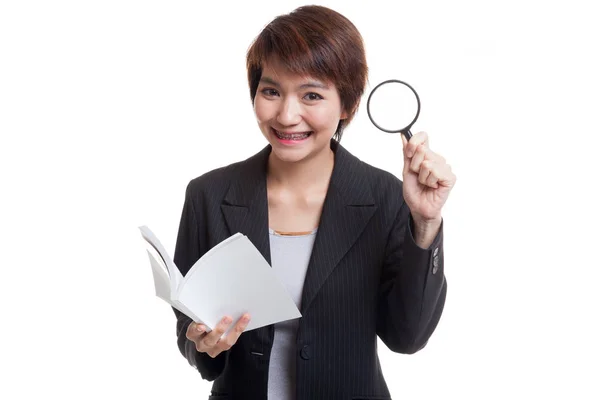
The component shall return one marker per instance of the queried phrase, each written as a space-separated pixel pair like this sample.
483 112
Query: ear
345 113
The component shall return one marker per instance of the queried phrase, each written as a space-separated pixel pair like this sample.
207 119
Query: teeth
293 136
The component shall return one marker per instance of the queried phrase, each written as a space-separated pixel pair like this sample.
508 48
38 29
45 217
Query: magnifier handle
407 134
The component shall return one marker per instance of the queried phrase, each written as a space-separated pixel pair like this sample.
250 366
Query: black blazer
366 278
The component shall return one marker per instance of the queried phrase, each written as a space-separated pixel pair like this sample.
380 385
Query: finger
406 159
417 140
438 158
214 336
432 155
195 331
433 177
439 174
446 177
418 158
424 172
235 333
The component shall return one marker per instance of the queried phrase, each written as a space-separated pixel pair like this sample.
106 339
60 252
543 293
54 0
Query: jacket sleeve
188 249
412 289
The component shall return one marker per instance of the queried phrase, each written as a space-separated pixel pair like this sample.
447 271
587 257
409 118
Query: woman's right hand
212 343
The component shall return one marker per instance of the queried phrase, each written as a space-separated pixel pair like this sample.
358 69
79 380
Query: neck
302 176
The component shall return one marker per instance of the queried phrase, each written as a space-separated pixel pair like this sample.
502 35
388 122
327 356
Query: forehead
274 72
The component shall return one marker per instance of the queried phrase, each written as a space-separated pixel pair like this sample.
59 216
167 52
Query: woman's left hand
427 180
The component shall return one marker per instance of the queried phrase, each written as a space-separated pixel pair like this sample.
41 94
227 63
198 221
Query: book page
232 279
162 284
174 273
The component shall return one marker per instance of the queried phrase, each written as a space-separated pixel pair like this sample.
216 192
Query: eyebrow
310 84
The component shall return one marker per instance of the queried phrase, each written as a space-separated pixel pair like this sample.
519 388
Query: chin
290 155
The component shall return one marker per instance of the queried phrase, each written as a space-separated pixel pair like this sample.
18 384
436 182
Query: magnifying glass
397 107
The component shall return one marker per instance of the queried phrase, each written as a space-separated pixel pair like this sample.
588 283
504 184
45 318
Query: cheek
325 118
262 110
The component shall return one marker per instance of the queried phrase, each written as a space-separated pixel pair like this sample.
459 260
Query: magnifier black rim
406 128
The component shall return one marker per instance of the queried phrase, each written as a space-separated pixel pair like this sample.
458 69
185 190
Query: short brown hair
315 41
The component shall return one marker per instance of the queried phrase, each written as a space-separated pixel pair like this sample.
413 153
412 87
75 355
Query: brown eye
269 92
313 96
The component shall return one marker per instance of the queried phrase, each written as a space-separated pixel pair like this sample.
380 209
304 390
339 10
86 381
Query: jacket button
305 352
436 264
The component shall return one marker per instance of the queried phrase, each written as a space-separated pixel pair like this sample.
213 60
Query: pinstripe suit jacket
366 278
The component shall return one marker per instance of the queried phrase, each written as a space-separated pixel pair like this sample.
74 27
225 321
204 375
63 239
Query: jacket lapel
245 205
348 207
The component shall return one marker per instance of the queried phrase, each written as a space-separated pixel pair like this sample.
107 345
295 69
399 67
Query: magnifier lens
393 106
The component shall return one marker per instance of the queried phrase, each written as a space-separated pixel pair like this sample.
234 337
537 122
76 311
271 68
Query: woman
358 250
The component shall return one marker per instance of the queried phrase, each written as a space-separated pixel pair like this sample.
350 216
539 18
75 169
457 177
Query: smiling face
298 115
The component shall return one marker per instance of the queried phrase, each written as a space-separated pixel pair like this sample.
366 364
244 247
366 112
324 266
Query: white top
289 258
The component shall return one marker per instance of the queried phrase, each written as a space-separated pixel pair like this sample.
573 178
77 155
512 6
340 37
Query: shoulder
384 184
382 179
214 183
214 179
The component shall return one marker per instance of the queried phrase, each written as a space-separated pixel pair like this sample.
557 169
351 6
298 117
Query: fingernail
226 320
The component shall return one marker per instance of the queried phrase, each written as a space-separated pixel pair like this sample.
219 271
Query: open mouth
292 136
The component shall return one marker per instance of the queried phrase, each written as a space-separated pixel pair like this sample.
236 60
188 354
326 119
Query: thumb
406 159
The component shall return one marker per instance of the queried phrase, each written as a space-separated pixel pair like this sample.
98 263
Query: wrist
425 230
426 224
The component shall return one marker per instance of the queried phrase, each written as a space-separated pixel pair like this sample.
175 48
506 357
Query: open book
231 279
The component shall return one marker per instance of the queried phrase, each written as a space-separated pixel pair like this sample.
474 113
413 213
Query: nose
289 112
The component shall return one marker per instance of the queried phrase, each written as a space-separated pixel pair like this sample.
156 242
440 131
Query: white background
109 108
